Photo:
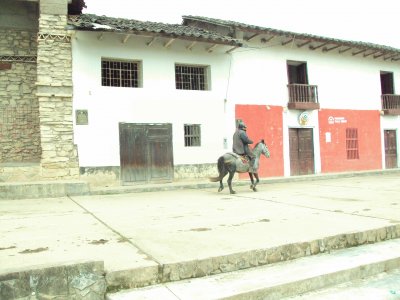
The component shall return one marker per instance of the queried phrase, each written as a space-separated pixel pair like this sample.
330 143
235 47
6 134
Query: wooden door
145 152
301 151
297 74
390 149
387 86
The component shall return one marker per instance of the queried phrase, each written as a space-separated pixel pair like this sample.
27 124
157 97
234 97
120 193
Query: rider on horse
241 143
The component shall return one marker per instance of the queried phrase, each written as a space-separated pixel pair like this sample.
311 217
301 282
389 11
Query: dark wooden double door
301 146
145 153
390 149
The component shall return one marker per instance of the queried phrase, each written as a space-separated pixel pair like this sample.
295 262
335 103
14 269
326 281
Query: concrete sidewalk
187 232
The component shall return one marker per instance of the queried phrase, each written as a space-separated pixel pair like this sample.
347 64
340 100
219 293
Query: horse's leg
257 181
252 180
221 185
231 174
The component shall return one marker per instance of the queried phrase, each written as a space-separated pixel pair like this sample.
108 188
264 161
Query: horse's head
264 149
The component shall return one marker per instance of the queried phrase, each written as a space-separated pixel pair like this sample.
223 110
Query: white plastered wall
157 101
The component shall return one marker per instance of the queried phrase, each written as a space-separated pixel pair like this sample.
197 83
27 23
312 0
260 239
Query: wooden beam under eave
379 55
368 54
125 39
319 46
252 37
230 50
326 49
100 36
390 56
344 50
358 52
167 44
151 41
303 44
209 50
288 41
264 40
192 44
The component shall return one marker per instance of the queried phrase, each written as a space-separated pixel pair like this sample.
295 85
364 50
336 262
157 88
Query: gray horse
231 163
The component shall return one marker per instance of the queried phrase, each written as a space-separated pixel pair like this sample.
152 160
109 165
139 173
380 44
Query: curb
164 273
47 189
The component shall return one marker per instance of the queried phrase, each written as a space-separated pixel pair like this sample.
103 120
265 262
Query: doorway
301 146
145 153
390 149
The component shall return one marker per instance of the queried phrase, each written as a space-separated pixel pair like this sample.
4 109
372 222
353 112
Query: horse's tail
221 169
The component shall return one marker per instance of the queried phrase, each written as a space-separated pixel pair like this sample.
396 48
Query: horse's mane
260 142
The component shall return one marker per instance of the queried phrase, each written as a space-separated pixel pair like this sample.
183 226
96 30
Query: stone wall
36 123
54 92
110 176
19 113
195 171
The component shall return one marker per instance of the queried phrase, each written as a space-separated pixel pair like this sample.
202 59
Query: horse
232 163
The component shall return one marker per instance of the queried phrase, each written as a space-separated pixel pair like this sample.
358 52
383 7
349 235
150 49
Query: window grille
120 73
352 143
192 135
191 77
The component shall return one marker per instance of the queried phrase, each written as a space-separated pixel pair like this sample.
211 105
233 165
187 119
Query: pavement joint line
313 208
168 288
117 232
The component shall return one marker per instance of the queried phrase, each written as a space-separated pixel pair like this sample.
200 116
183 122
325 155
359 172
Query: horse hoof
254 189
220 189
233 192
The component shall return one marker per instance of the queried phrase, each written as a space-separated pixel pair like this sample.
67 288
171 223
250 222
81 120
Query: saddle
244 158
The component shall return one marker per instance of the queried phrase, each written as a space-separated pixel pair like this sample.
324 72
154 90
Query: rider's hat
242 125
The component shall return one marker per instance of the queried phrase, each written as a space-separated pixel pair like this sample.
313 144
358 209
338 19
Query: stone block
133 278
53 7
84 280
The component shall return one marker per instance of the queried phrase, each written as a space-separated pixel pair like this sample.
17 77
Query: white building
156 102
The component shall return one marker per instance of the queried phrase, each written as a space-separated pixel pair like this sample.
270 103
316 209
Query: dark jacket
241 143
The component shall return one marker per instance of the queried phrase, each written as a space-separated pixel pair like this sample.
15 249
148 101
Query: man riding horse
241 144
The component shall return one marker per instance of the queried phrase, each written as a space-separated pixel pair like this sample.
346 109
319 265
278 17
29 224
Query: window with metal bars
352 143
192 135
191 77
121 73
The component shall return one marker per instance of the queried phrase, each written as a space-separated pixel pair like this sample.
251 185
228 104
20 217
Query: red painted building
349 140
265 122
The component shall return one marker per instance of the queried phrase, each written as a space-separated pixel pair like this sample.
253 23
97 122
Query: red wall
333 154
265 122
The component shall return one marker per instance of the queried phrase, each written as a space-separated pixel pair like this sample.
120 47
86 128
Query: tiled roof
90 22
304 36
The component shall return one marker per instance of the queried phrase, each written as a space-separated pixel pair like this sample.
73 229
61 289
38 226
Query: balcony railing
391 104
303 96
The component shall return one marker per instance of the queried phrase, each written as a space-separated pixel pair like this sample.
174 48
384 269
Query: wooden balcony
303 96
391 104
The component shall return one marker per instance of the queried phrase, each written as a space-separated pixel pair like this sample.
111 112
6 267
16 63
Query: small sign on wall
81 117
328 137
304 118
336 120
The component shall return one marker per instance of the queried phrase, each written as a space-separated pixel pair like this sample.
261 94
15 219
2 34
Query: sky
355 20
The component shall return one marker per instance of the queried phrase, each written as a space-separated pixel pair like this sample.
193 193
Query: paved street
145 230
